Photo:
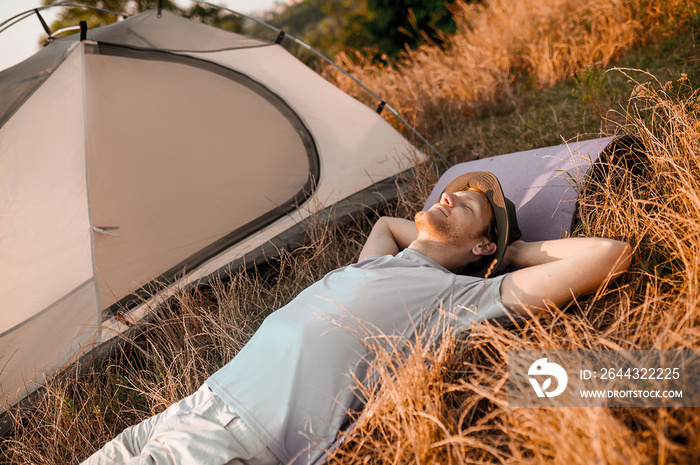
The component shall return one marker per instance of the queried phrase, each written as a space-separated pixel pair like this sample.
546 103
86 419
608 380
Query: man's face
458 218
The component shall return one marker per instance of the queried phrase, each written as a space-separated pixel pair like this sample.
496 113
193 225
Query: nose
448 199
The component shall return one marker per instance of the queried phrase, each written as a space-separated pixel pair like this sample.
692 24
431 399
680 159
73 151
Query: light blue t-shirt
293 382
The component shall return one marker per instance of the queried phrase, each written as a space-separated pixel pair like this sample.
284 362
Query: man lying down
288 392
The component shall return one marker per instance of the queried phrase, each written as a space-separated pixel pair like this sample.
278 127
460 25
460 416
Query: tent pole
67 3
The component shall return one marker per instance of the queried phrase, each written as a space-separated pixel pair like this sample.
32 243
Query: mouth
439 207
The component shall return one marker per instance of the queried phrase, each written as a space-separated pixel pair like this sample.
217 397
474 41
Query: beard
444 232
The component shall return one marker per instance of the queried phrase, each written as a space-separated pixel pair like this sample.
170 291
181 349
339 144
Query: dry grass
504 44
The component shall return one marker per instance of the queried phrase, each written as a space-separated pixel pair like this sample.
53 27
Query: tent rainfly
153 146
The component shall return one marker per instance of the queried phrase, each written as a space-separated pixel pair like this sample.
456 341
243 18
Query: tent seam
98 338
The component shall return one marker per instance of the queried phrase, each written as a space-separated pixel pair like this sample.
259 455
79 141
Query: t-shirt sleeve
371 259
478 299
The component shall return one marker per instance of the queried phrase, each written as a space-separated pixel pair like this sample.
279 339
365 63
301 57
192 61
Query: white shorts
199 429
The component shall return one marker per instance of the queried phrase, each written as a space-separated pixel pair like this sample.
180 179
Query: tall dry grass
505 43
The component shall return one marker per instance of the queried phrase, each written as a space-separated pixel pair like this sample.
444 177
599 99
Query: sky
22 40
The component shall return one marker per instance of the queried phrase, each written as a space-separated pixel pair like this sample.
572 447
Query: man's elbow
620 256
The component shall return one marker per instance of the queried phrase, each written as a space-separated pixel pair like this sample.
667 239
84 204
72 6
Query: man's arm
554 272
389 236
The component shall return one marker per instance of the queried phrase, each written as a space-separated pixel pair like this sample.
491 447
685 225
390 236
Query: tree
397 24
385 27
375 27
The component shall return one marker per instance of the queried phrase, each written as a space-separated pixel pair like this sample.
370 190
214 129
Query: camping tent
156 145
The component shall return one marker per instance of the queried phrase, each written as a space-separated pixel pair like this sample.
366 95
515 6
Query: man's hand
389 236
554 272
509 259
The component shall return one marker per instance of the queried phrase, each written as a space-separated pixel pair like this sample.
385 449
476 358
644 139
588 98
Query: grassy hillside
520 75
508 62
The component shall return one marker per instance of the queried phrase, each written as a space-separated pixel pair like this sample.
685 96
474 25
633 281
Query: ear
484 247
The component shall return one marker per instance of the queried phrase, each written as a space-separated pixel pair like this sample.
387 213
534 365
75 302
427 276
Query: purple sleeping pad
540 182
